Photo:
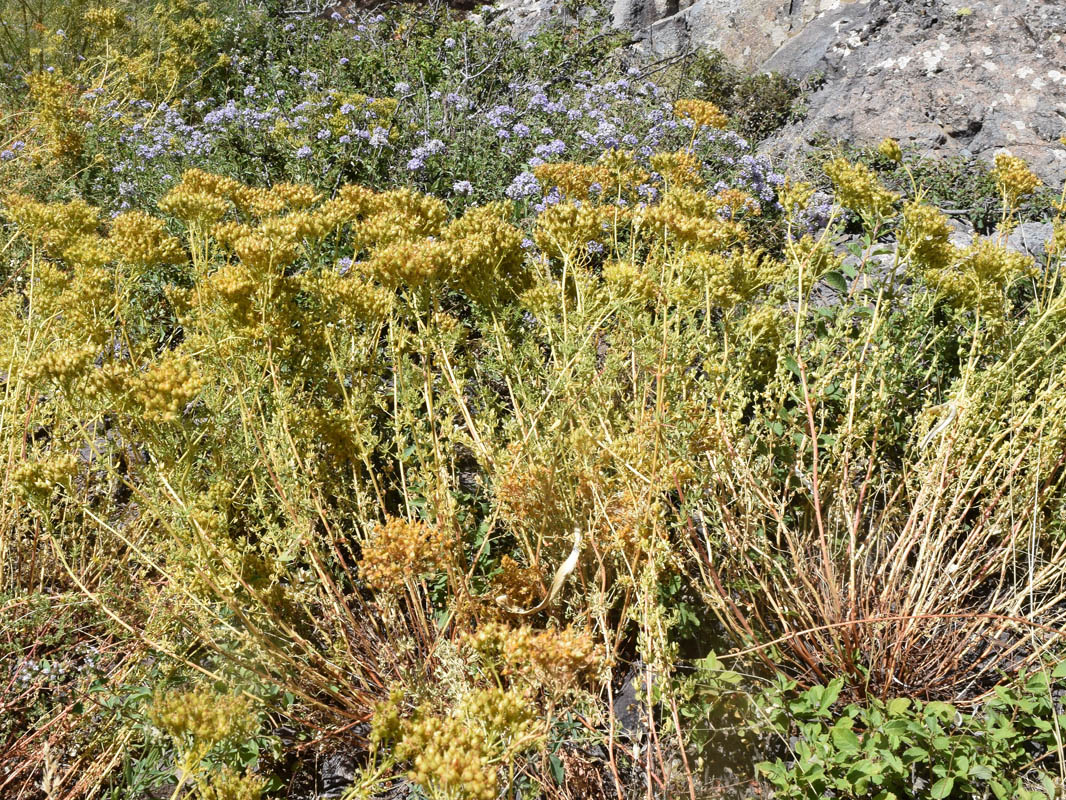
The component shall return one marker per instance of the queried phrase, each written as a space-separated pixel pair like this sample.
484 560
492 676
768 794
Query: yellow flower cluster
269 247
552 659
456 753
978 277
57 112
401 215
566 229
794 196
1014 179
143 241
344 298
227 784
522 586
448 754
202 717
616 174
574 181
679 169
37 480
107 383
166 387
410 262
924 236
626 278
53 226
735 278
90 252
702 113
103 20
62 366
507 716
690 217
623 171
485 253
859 190
400 549
890 149
479 253
79 306
193 207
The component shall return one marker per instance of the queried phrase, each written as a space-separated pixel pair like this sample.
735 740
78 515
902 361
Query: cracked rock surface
965 80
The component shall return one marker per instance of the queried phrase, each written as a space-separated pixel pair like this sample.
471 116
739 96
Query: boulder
1031 238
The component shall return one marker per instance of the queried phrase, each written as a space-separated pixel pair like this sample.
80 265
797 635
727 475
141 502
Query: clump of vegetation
508 431
759 103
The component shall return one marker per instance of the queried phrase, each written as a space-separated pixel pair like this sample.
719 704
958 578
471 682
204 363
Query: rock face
746 31
953 80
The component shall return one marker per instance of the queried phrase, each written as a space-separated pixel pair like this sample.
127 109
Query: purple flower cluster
318 123
757 176
422 152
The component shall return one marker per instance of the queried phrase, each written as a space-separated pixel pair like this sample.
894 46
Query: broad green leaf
898 706
836 281
845 740
942 788
832 692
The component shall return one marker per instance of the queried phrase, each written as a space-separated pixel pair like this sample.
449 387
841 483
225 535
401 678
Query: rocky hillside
964 77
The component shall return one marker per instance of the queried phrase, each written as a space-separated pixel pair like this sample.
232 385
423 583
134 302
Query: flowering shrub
361 392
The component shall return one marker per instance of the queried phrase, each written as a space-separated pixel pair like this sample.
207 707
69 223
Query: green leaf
942 788
837 281
557 768
912 754
898 706
981 772
845 740
830 695
1059 671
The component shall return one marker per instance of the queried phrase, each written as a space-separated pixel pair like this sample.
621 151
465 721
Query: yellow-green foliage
388 459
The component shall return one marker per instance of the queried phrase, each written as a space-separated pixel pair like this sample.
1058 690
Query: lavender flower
463 187
556 147
525 184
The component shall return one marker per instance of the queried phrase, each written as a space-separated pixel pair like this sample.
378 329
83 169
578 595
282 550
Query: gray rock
943 81
1031 238
629 711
